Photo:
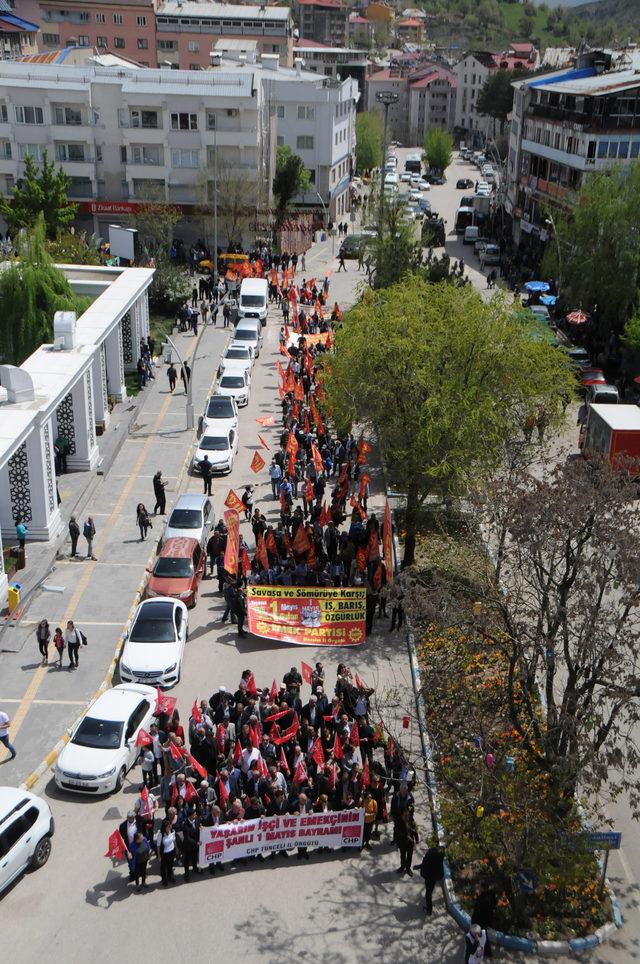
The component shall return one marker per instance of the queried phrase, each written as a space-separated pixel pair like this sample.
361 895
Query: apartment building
126 135
335 62
565 125
471 73
426 98
324 21
18 35
172 33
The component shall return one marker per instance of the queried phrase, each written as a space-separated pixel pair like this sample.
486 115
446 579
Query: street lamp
549 220
215 199
386 98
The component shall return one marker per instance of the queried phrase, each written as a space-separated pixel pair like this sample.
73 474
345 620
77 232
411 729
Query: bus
413 164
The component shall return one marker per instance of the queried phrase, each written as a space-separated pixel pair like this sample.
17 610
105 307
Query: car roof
14 799
113 704
189 501
158 608
178 547
236 346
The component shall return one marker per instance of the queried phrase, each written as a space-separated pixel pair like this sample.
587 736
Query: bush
170 288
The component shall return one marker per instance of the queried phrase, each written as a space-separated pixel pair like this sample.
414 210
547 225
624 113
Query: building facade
125 27
335 62
18 35
472 72
432 103
324 21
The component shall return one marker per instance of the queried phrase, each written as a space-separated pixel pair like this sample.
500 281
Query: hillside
626 12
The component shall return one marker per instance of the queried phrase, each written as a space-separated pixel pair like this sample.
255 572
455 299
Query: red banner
387 543
257 462
308 616
233 501
232 522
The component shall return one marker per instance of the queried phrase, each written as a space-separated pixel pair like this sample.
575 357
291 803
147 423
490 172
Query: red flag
298 392
232 522
308 491
144 796
359 682
164 704
376 580
143 738
333 770
301 543
283 351
291 471
273 692
366 776
237 752
268 447
354 736
234 502
283 761
261 553
245 563
361 560
300 774
116 847
305 672
307 426
328 342
257 462
270 542
221 736
255 740
269 420
387 537
364 481
325 515
317 458
276 716
223 793
274 732
175 750
196 715
317 753
287 544
292 444
338 752
252 689
196 766
311 555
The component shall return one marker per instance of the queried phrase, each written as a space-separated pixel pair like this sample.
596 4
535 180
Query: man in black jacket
191 843
431 870
74 533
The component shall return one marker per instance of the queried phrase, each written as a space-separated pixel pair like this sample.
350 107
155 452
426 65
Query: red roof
410 22
310 43
434 75
524 48
355 18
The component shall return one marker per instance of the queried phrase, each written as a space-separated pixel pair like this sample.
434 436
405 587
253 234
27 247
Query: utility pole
386 98
215 199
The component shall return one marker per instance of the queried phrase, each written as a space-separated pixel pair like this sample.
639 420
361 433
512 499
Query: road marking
47 702
120 565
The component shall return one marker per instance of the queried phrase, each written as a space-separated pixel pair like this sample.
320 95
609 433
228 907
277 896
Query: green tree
69 247
32 289
630 337
395 250
368 141
438 147
496 96
154 221
599 242
39 191
291 177
442 380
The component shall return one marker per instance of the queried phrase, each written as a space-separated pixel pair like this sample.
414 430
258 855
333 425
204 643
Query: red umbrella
579 317
637 379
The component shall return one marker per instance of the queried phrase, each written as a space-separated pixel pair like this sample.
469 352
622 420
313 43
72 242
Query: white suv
26 829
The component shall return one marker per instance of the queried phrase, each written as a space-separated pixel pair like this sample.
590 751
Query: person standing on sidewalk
43 635
275 474
207 473
74 535
73 638
159 485
21 531
89 532
431 871
5 723
241 610
172 375
185 375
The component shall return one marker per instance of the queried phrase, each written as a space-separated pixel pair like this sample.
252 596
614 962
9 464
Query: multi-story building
335 62
171 33
127 135
18 36
360 31
324 21
565 125
410 30
471 73
396 80
432 103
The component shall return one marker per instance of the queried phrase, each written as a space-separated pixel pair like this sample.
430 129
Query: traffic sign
603 840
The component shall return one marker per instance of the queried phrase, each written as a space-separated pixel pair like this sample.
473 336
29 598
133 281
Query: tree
394 251
291 177
599 241
32 289
154 221
630 337
438 147
43 192
567 556
238 200
368 141
496 96
443 380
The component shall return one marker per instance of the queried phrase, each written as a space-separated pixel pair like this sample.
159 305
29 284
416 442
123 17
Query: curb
545 948
107 682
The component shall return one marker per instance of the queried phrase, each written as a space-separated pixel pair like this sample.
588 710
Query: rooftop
224 11
410 22
587 81
619 417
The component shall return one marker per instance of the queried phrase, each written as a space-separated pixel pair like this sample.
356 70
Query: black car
435 177
464 183
433 232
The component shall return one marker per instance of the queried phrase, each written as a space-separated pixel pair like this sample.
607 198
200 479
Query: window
100 18
117 19
184 158
10 837
29 115
143 118
613 149
194 47
70 152
123 155
5 151
83 16
3 113
143 44
603 147
184 122
280 140
99 153
312 175
80 187
167 45
150 154
83 40
211 121
304 142
623 150
635 148
101 41
306 113
280 112
118 43
141 21
51 39
67 115
33 150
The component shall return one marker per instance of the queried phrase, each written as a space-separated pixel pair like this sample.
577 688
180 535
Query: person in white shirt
249 756
5 723
73 638
147 759
166 847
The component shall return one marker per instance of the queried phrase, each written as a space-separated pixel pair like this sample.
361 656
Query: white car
218 409
103 747
238 354
220 447
414 194
155 643
26 829
406 177
484 189
423 185
235 384
191 518
416 180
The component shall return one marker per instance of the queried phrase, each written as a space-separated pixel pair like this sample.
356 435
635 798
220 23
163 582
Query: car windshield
252 301
185 519
214 443
168 568
242 353
246 335
152 629
99 734
220 407
232 381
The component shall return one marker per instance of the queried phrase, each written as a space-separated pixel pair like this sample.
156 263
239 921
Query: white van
249 332
254 299
26 829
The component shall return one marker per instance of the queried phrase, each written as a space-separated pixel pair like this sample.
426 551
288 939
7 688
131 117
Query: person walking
143 520
43 635
431 871
140 859
172 375
159 485
207 473
303 263
21 531
241 610
247 501
89 532
73 637
185 376
474 944
190 843
341 265
370 815
58 642
74 535
396 598
166 848
406 836
275 474
5 723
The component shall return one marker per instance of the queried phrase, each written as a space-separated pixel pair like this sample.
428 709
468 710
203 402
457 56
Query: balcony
583 121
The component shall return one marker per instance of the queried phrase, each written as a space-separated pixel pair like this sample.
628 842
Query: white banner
247 838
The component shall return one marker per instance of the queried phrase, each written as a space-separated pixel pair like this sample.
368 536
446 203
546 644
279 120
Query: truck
613 432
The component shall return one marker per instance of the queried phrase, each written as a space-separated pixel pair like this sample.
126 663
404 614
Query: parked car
191 518
405 177
235 384
352 245
26 829
435 177
177 571
424 204
220 447
154 647
471 234
479 245
240 355
433 232
491 254
415 180
579 357
602 394
423 185
414 194
219 408
464 184
484 189
103 747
